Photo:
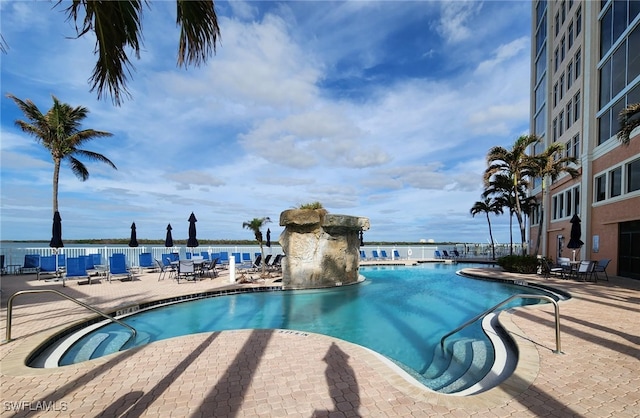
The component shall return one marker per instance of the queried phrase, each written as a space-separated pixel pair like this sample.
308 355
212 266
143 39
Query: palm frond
94 156
629 119
199 31
77 167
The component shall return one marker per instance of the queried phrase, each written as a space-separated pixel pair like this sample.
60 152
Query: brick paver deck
275 373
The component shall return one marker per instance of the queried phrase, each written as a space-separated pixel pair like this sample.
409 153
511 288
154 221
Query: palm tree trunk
56 177
510 232
264 267
493 248
541 220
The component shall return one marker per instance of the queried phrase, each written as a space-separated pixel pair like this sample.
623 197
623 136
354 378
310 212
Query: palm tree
59 131
117 26
550 164
516 165
629 120
255 225
501 189
487 206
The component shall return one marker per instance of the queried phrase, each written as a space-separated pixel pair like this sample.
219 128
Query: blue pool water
400 312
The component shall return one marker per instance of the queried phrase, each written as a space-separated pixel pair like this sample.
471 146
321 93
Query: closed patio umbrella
168 242
133 242
574 238
192 242
361 238
268 244
56 232
56 236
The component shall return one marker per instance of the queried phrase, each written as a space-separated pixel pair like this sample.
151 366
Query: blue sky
378 109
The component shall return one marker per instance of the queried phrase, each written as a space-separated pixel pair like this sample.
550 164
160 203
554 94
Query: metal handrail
509 299
64 295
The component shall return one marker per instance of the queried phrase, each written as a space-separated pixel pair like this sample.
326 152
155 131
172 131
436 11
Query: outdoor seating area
581 270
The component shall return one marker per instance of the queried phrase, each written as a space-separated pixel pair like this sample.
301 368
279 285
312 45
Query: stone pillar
322 250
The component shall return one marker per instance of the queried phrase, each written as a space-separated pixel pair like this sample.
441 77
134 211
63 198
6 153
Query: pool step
470 361
86 351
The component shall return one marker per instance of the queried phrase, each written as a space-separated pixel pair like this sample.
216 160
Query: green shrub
526 264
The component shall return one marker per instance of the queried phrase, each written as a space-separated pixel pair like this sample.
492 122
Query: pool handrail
507 300
64 295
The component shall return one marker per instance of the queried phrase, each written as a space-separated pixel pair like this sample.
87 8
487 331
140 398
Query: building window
576 107
566 203
560 123
569 121
555 95
578 21
562 49
555 130
561 87
564 11
556 56
569 74
570 35
601 188
578 60
633 176
615 182
557 20
619 70
575 146
604 127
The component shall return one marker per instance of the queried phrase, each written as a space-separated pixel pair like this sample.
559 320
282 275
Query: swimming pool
399 312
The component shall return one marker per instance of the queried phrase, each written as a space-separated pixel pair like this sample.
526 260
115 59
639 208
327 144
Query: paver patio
275 373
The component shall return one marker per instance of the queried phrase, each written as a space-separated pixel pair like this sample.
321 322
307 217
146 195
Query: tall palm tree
550 164
117 26
256 225
487 206
501 189
517 165
629 120
59 132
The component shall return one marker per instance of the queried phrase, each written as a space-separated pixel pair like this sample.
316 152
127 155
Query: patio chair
585 270
210 268
165 268
548 269
76 269
186 270
601 267
118 267
277 263
31 264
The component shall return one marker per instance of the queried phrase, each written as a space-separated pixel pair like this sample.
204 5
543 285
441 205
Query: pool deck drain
273 373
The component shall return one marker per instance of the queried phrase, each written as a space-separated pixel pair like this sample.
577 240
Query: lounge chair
76 269
375 255
48 267
118 267
31 264
437 254
277 263
601 267
267 259
146 262
186 270
363 255
205 255
396 254
446 254
224 259
456 254
383 255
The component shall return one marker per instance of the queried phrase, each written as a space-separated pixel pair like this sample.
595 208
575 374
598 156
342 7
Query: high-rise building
585 69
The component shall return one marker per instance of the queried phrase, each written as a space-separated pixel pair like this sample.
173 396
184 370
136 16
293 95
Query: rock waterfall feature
322 249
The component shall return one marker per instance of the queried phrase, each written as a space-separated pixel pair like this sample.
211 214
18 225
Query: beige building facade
585 68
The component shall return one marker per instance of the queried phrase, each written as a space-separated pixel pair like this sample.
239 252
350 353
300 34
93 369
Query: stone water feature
322 249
